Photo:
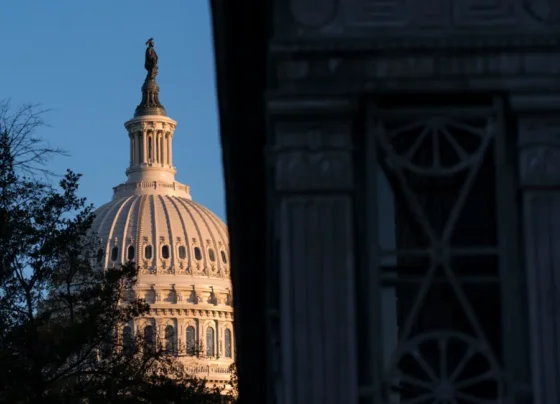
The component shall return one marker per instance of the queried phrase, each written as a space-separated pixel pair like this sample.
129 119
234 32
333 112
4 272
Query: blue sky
84 60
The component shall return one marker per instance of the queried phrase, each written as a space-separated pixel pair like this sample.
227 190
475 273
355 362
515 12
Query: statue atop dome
151 60
150 104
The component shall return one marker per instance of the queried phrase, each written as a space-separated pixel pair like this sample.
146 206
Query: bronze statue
150 63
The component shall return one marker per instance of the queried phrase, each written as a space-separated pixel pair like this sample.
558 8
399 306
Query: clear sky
84 60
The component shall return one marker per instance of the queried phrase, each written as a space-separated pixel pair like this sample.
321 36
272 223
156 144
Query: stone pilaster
313 181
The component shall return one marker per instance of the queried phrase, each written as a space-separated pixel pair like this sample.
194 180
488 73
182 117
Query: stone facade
342 77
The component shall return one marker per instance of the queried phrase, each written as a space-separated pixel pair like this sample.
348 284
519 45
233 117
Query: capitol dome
165 234
180 247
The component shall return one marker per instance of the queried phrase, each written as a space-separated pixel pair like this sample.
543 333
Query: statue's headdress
150 41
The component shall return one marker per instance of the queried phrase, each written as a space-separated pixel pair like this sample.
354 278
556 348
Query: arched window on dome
150 149
182 252
197 254
210 337
165 252
170 339
130 253
191 341
227 342
224 256
99 255
149 337
114 253
127 341
148 252
211 255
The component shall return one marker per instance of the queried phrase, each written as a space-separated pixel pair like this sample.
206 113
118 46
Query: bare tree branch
31 154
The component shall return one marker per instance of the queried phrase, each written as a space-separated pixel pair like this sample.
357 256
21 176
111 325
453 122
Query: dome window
197 254
224 257
165 252
128 341
114 253
182 252
227 342
211 255
210 351
170 339
148 252
130 254
99 255
191 341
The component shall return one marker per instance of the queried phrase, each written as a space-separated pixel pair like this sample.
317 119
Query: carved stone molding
196 313
408 19
139 126
308 72
539 150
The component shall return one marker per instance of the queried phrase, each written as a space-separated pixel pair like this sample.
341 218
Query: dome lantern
150 131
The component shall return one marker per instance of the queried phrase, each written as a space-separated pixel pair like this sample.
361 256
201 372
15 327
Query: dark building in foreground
392 174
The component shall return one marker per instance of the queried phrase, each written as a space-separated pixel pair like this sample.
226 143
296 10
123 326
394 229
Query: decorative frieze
190 312
165 124
333 18
310 72
313 155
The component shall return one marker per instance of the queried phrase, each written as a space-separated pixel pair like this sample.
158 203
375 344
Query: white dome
165 234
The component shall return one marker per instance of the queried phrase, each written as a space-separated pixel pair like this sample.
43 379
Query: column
169 144
539 171
313 345
145 146
155 147
138 143
161 148
131 139
166 149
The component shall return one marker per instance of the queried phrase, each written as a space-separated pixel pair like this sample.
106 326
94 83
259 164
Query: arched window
197 254
182 252
165 252
169 338
148 252
99 255
211 255
114 253
131 252
191 341
150 148
127 341
227 342
149 337
224 257
210 349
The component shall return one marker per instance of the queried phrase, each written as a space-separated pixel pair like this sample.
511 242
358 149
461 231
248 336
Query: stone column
139 147
145 145
314 238
170 151
539 172
166 148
